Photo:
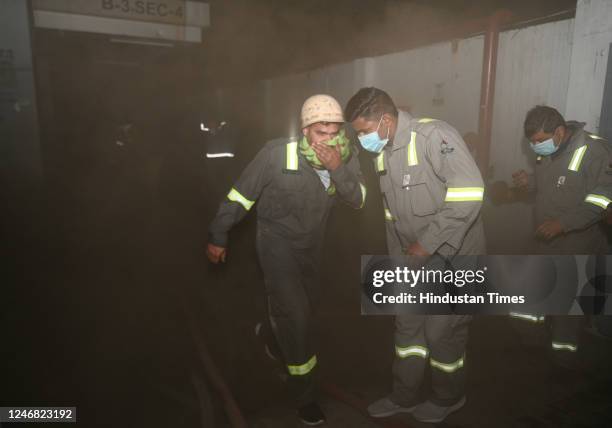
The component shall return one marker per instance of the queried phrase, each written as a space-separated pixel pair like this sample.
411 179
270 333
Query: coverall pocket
288 198
419 194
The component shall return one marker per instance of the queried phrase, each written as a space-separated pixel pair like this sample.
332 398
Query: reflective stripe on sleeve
455 194
599 200
560 346
574 164
412 152
426 120
303 369
292 156
235 196
448 368
411 351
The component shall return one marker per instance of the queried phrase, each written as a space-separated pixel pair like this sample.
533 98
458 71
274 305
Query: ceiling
258 39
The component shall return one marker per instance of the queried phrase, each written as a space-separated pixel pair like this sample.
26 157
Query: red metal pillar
487 89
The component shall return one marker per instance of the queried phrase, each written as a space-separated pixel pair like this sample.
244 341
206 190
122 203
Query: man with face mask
432 193
573 187
295 183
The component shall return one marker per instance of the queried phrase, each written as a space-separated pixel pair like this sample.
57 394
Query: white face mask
545 148
372 142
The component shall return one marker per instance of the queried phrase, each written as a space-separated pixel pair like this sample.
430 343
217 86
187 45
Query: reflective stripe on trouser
302 369
562 335
528 317
565 330
448 367
443 339
411 351
291 283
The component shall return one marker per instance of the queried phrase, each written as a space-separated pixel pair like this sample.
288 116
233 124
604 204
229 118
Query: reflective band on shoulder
454 194
292 156
448 368
304 368
411 351
527 317
235 196
559 346
388 215
596 137
577 159
412 152
364 192
599 200
380 162
426 120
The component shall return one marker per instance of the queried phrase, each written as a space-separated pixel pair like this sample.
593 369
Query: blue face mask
372 142
545 148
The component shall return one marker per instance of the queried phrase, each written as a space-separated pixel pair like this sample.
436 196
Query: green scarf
311 156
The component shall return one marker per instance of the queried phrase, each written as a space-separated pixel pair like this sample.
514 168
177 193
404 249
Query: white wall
448 72
591 40
284 96
443 81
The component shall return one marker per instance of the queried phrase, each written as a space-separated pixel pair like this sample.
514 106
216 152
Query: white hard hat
321 108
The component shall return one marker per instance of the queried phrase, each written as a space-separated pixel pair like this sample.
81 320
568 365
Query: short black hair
369 103
542 118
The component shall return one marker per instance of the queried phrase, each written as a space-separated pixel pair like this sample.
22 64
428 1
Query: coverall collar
402 133
575 141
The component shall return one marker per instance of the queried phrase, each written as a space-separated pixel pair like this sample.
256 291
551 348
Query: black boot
311 415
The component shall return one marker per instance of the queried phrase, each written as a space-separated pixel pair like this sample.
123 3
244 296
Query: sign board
165 11
180 20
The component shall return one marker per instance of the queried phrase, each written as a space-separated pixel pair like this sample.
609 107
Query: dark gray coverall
573 185
432 192
292 211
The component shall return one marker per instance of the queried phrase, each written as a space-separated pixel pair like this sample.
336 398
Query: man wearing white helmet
295 182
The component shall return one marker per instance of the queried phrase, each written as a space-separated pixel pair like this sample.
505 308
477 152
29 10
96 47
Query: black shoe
311 415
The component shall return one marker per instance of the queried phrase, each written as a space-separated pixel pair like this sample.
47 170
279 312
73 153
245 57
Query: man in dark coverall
295 182
432 193
573 187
